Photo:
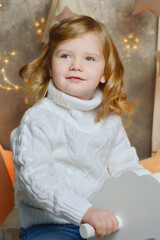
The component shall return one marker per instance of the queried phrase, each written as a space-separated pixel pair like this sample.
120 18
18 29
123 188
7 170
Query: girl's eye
65 56
90 59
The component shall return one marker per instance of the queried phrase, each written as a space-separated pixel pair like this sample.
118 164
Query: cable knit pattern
63 157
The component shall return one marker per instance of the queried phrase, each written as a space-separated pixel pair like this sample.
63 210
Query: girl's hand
103 221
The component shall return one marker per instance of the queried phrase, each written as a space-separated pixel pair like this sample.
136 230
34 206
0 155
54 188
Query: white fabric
63 156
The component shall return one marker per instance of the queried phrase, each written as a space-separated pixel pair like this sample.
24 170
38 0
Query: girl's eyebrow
63 50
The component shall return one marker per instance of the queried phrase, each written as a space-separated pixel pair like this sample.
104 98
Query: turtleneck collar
71 102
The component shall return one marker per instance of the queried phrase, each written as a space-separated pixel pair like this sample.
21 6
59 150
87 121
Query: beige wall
19 31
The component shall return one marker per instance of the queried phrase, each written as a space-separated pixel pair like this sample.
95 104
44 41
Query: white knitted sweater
63 157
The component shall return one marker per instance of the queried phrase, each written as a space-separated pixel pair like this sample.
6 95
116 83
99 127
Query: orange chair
8 159
6 191
152 164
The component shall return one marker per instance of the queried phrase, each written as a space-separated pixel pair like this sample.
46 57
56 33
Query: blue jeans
51 232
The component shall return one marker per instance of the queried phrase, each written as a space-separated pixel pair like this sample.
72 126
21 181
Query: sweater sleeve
33 158
123 157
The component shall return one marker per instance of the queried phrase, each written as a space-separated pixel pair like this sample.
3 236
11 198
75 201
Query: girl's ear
103 80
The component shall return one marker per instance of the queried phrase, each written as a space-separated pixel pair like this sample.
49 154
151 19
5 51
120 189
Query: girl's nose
76 66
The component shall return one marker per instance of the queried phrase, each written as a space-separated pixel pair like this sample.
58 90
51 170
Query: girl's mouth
75 78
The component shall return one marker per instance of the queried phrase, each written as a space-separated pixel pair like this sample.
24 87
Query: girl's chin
72 93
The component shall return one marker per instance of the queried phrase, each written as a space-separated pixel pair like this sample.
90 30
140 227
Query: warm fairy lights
131 42
13 53
40 26
4 61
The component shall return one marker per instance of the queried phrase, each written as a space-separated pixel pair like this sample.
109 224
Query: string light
131 42
36 24
4 61
39 31
15 88
13 53
40 26
42 20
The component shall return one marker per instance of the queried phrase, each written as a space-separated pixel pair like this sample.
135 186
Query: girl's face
78 66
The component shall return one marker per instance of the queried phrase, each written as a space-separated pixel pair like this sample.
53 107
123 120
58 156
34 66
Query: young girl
71 140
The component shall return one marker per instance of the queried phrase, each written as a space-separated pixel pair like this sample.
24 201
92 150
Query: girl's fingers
105 228
115 223
99 229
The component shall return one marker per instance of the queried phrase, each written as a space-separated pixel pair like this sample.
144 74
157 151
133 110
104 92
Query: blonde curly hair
114 101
